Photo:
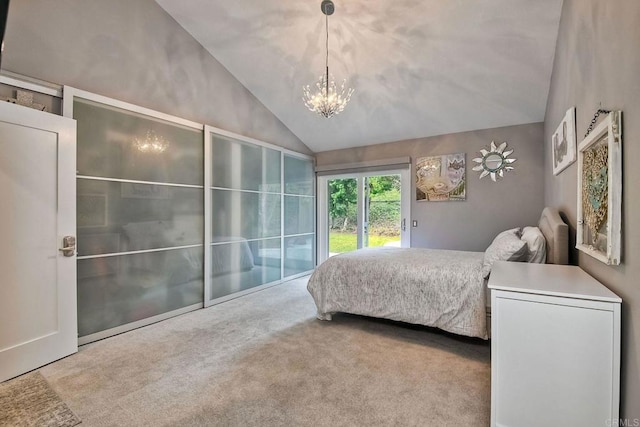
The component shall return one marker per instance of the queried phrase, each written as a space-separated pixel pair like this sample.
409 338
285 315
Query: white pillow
536 243
507 246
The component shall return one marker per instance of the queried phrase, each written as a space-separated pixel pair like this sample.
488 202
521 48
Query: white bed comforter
438 288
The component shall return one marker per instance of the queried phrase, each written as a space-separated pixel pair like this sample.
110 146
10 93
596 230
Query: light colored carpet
29 401
264 360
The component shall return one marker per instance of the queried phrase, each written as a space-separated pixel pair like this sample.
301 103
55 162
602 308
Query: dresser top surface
548 279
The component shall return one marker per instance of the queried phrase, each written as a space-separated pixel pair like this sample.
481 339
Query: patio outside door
37 219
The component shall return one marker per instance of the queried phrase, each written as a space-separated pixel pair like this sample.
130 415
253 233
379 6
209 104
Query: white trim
208 219
615 395
282 248
259 239
141 251
35 85
67 101
299 234
137 324
299 195
322 219
254 141
393 163
360 212
257 289
245 191
297 276
405 208
133 181
292 153
244 292
69 93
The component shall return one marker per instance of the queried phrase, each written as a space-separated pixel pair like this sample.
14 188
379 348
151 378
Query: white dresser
555 350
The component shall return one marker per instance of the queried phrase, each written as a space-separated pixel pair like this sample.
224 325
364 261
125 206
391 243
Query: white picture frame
599 231
563 142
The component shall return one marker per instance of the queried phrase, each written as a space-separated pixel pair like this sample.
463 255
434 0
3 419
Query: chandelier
328 100
151 143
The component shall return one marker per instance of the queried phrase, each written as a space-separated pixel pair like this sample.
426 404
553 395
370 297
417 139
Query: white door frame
322 235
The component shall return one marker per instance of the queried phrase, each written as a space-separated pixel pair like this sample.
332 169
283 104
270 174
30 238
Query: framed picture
600 191
441 178
563 142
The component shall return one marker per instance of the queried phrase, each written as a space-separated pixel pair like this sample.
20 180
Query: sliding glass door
342 209
245 216
172 218
261 223
299 217
382 210
140 215
363 210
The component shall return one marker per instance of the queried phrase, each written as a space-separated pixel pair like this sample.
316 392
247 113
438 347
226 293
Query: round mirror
494 161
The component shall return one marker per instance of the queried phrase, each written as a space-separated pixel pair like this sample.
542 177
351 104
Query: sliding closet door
299 215
246 234
140 215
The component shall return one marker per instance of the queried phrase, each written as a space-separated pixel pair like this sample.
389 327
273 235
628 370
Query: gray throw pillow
507 246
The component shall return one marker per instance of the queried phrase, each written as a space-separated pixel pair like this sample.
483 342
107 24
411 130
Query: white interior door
37 211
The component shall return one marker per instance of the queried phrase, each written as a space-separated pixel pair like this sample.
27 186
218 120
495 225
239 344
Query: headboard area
556 233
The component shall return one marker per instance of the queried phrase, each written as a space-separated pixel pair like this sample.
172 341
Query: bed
438 288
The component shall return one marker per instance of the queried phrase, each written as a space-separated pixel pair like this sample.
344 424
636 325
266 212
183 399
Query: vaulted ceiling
419 67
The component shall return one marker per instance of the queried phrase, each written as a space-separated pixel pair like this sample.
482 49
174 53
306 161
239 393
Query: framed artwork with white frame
599 230
563 142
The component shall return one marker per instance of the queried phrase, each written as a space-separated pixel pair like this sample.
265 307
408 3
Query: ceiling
419 67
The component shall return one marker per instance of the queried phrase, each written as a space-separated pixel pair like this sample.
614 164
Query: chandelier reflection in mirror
151 143
328 100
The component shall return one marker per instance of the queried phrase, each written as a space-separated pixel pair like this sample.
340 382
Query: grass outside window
346 242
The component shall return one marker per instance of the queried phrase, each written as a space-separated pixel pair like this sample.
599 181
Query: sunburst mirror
494 161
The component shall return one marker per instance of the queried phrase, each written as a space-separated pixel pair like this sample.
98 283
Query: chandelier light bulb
328 100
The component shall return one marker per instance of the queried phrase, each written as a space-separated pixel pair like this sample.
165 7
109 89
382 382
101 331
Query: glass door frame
322 232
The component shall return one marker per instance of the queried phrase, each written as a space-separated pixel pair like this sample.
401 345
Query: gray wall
490 207
135 52
598 62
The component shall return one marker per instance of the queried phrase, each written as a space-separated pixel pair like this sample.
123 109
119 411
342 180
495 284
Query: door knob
68 248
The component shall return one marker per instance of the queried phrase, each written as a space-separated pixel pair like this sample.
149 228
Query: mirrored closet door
174 215
299 215
140 210
262 215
